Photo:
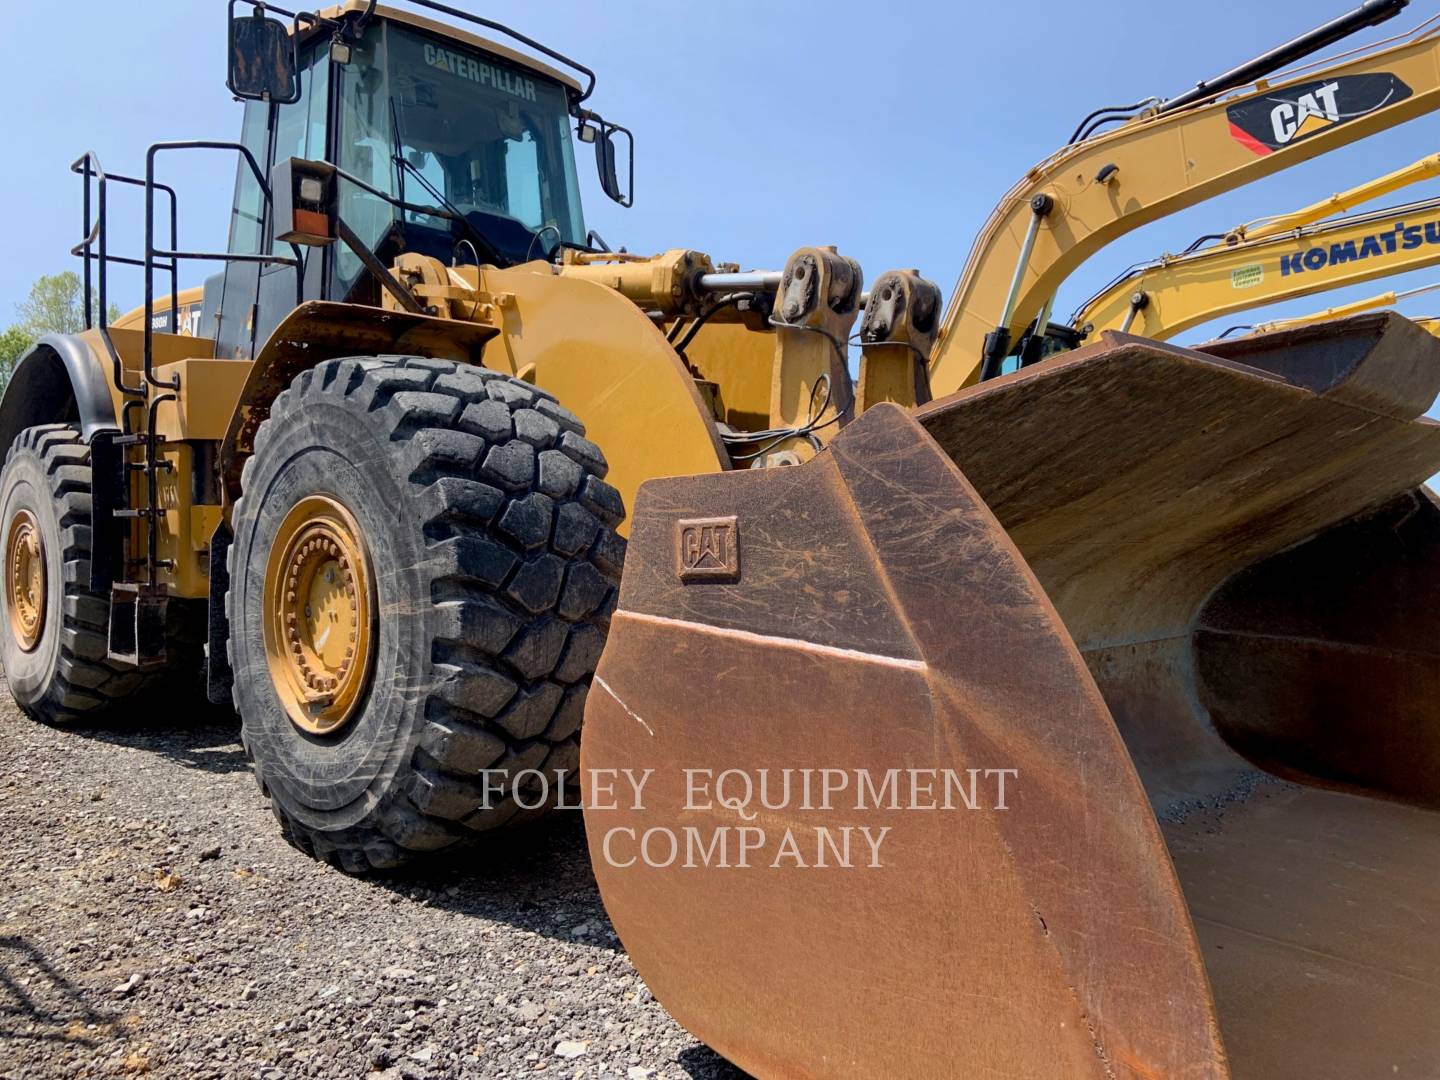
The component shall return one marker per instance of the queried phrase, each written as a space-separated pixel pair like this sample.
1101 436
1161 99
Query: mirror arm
629 199
605 150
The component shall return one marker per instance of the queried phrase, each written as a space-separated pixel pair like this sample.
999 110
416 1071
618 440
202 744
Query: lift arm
1090 193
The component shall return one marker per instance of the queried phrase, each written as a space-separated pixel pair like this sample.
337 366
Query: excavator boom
1095 190
1178 292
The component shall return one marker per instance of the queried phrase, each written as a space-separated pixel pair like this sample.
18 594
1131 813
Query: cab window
300 128
247 216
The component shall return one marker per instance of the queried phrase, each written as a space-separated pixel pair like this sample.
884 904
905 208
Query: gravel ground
152 922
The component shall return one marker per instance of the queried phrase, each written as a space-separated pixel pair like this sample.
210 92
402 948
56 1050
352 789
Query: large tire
490 538
63 674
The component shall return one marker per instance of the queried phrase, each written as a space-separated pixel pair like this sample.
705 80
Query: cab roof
454 33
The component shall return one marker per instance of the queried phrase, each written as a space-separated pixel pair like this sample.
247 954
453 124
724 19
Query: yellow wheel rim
319 611
25 575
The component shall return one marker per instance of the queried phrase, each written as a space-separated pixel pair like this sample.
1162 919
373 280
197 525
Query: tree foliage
56 305
13 343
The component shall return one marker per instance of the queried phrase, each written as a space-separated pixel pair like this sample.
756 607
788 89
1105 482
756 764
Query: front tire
424 566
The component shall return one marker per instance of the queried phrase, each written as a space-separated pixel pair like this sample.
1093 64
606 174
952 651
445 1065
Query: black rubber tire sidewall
26 486
332 782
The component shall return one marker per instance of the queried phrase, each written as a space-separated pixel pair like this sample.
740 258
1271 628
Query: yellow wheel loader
358 486
187 321
388 480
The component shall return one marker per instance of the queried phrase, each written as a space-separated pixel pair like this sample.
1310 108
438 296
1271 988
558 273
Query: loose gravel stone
155 924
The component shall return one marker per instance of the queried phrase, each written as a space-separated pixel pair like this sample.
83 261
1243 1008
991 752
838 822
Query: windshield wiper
403 164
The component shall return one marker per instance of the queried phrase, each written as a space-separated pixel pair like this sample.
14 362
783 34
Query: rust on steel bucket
1240 557
1045 939
1239 542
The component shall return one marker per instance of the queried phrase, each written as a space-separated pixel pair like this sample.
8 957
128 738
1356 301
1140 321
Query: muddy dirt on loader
1189 597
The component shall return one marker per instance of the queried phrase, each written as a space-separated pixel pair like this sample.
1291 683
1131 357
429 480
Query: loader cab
425 121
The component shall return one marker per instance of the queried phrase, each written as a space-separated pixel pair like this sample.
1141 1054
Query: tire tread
516 611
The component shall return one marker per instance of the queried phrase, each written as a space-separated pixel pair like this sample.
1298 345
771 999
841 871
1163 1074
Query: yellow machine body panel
130 348
190 301
740 362
212 391
185 526
589 346
604 360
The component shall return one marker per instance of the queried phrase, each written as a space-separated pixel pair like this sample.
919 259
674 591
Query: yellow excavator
1429 323
1291 255
1165 156
382 492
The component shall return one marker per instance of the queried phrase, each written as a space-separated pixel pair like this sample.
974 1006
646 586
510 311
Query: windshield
438 124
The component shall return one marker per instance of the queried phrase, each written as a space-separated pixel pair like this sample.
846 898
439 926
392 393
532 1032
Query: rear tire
484 545
59 671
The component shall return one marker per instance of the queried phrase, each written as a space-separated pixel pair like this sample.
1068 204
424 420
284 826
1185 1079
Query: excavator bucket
1120 678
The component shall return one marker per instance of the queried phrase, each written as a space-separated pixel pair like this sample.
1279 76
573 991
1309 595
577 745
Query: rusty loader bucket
1085 723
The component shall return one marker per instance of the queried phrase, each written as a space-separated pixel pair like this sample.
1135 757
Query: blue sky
889 132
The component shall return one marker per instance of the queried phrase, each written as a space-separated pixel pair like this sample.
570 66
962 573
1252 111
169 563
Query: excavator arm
1188 150
1278 261
1355 307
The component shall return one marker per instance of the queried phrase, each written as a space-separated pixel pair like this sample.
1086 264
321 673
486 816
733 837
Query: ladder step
143 512
137 626
136 440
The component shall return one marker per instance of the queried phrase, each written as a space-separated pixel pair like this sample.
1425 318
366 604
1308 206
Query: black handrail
96 233
174 255
444 9
168 258
490 24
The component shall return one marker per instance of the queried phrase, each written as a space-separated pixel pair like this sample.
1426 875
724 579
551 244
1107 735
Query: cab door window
247 218
300 128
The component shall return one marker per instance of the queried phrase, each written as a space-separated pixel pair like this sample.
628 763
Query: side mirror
602 134
263 61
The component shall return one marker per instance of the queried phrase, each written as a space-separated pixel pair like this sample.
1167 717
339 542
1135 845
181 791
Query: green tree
56 305
13 343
